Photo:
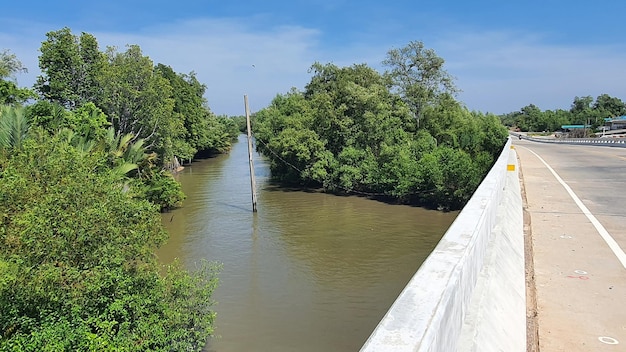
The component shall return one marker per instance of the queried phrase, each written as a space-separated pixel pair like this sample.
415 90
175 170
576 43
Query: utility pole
252 181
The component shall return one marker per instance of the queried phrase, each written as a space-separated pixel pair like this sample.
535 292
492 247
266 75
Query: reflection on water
309 271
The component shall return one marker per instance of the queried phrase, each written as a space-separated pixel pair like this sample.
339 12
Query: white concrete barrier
496 319
429 313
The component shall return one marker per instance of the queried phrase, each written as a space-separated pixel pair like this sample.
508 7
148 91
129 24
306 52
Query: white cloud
498 71
230 56
502 72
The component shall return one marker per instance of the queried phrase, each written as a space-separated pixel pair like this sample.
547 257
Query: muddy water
308 271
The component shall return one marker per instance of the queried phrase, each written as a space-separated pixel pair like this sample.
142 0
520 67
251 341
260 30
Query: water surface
309 271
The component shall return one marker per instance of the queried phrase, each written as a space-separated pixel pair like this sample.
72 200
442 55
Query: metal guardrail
606 142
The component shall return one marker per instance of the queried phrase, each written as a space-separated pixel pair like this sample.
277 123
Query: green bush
163 190
77 264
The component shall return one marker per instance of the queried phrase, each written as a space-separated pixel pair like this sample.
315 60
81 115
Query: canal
309 271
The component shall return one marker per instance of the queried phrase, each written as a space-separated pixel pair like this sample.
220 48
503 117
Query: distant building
615 123
573 131
568 128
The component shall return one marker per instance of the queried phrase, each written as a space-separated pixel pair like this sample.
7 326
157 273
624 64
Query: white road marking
608 340
606 236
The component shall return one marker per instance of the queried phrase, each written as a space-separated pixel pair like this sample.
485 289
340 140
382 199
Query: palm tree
125 155
14 127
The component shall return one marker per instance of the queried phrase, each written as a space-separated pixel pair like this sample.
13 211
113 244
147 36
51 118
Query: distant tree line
583 111
399 134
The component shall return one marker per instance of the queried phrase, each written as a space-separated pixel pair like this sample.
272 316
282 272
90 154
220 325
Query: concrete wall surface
496 319
429 313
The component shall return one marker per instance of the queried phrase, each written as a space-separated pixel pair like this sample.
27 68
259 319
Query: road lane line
606 236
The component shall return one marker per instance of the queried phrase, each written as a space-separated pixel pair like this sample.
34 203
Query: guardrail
607 142
428 314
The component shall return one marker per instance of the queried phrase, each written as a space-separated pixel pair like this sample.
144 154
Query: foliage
240 122
77 270
417 74
89 121
166 109
163 190
10 65
10 93
583 111
198 121
86 120
138 101
14 127
71 69
150 108
232 125
349 132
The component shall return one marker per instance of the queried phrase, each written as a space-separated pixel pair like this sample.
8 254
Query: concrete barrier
496 319
429 313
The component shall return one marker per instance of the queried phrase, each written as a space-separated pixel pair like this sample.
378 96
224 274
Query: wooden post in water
252 181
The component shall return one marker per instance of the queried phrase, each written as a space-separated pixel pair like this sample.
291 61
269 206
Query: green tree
581 110
77 269
71 67
139 102
10 93
608 106
417 74
349 133
10 64
190 105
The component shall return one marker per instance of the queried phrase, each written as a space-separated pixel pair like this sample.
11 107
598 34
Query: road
578 249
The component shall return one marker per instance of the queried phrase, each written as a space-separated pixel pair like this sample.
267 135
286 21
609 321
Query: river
309 271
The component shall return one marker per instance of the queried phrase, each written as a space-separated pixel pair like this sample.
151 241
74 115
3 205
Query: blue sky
504 54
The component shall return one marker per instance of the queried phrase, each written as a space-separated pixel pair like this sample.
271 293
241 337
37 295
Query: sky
504 54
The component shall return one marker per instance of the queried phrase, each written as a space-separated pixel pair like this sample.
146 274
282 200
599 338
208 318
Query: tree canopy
418 76
583 111
10 93
353 130
152 102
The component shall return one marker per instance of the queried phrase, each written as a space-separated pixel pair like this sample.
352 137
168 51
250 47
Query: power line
332 184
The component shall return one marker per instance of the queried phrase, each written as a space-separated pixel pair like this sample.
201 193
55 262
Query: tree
608 106
352 106
168 110
417 74
10 65
531 115
139 102
10 93
349 133
581 110
71 67
77 269
189 104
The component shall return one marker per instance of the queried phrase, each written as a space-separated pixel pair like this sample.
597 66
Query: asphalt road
578 229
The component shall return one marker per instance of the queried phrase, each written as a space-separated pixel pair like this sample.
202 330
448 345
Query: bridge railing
428 314
609 142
